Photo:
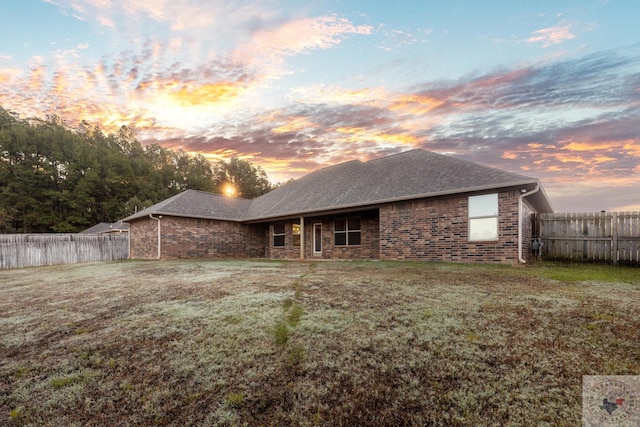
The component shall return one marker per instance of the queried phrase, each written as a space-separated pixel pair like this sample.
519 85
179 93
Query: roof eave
542 199
179 215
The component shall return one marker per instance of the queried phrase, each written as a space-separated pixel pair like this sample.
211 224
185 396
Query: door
317 239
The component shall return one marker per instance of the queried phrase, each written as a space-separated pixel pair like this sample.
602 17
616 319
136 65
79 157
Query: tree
248 180
54 178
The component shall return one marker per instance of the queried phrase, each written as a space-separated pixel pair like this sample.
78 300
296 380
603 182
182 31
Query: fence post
614 238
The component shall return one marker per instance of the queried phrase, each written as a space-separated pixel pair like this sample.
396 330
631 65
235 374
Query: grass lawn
205 342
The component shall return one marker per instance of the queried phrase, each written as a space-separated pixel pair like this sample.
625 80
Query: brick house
416 205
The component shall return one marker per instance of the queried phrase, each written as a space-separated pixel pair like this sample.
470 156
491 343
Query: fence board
34 250
612 237
629 226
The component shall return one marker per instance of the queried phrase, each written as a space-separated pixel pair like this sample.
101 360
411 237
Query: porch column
301 237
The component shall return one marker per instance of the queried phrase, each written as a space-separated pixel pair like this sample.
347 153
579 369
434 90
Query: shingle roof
404 176
197 204
408 175
106 227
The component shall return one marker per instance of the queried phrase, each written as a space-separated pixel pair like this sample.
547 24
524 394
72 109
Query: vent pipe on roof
522 196
157 219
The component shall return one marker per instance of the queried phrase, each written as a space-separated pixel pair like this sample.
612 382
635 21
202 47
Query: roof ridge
450 158
375 159
484 166
211 193
348 162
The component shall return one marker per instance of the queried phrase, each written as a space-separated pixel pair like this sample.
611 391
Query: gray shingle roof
404 176
197 204
408 175
106 227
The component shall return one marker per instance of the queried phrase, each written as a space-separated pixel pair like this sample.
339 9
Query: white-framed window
278 234
346 232
483 217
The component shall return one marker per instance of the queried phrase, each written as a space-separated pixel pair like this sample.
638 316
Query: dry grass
287 343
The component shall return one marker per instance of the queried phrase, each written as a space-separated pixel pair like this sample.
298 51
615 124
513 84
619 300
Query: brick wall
368 249
428 230
289 250
143 238
196 238
369 235
437 230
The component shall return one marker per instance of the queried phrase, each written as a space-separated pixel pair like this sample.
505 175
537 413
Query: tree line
55 178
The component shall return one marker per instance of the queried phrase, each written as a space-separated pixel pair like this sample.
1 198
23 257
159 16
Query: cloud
106 21
177 79
267 50
602 80
552 35
178 13
217 93
295 124
212 93
571 118
396 39
303 35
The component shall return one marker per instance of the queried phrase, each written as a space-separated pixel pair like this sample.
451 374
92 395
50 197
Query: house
416 205
107 227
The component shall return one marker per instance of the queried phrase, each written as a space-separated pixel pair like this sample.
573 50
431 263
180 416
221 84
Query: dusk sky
547 89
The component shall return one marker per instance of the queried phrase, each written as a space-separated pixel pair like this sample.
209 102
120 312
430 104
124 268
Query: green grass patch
294 315
584 272
59 382
234 399
296 355
281 333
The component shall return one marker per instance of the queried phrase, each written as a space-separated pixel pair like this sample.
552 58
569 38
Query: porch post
301 237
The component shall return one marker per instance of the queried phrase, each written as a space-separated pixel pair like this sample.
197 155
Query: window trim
482 217
347 231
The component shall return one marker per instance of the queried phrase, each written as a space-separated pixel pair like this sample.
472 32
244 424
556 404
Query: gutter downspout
157 219
522 196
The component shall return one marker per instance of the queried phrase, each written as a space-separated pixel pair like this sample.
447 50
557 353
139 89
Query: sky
546 89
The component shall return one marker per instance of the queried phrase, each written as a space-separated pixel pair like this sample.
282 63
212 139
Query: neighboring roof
107 227
408 175
197 204
405 176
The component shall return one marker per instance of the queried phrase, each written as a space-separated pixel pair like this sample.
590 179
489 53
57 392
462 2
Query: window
278 235
296 234
347 232
483 217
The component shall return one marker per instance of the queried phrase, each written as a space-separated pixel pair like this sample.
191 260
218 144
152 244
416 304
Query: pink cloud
268 48
306 34
180 15
551 36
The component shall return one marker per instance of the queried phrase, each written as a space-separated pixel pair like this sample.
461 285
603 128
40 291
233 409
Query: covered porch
344 235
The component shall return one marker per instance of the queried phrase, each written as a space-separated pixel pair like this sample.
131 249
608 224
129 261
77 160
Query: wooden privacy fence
612 237
34 250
